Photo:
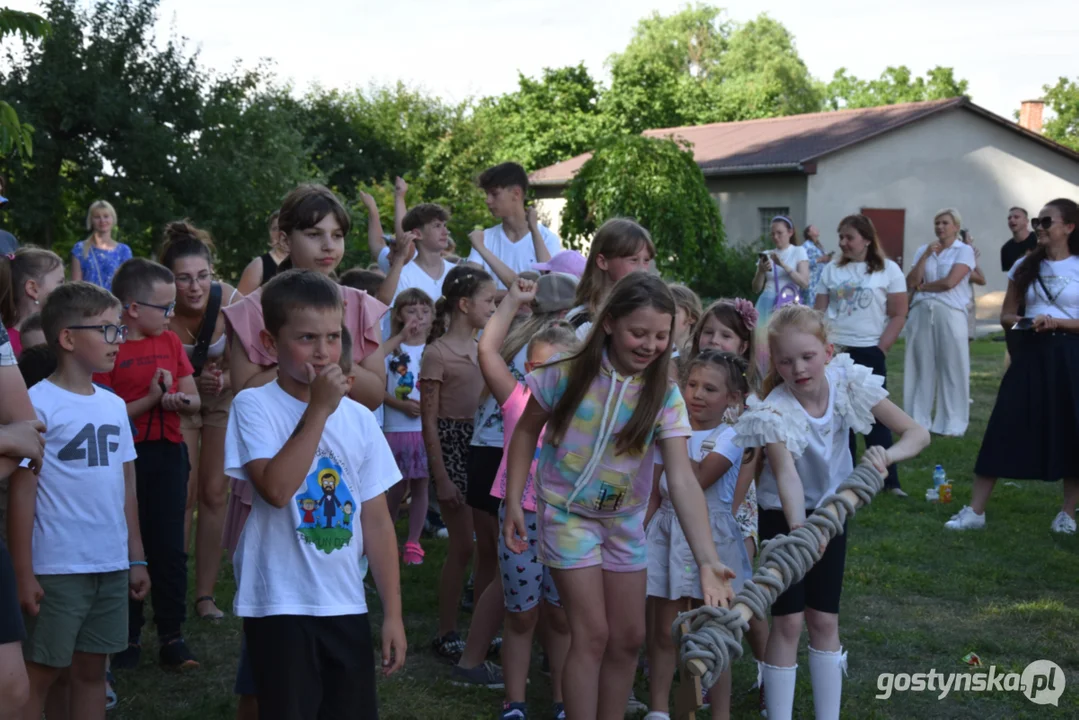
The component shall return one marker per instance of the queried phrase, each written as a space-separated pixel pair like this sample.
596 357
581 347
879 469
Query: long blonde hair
96 205
799 318
634 291
616 238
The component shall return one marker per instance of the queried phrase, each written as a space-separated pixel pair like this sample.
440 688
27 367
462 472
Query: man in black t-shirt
1022 241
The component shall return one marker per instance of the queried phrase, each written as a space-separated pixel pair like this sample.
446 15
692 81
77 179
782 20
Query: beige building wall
741 198
957 159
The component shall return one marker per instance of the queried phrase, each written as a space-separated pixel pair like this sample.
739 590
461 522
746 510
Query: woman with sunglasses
1033 430
200 323
937 363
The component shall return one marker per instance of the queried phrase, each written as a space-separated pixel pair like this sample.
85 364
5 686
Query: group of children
598 445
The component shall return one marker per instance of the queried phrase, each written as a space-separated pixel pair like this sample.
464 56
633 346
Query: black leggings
880 436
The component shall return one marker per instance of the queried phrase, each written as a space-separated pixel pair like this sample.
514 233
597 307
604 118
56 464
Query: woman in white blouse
864 296
938 358
782 275
1033 431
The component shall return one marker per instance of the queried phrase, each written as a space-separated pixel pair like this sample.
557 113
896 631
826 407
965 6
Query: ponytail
462 282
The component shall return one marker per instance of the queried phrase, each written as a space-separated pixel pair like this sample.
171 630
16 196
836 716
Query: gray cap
554 292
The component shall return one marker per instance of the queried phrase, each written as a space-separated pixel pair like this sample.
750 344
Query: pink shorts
569 541
409 452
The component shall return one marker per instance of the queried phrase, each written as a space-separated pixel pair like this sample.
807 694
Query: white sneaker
898 492
634 706
966 519
1063 524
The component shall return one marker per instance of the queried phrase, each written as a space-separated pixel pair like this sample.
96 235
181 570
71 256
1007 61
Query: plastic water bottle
939 479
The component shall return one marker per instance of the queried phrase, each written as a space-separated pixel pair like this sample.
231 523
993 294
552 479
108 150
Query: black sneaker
128 659
175 655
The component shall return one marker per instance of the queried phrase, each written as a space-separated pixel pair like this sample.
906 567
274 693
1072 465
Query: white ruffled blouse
819 445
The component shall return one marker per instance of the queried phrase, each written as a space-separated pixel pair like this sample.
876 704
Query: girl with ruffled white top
938 357
812 401
1035 423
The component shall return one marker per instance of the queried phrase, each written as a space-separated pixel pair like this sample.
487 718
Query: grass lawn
916 598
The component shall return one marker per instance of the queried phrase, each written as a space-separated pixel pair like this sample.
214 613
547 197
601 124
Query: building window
766 215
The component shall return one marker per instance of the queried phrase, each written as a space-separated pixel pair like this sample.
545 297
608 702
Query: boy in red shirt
154 377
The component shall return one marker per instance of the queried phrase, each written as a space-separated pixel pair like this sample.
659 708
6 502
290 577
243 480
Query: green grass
916 598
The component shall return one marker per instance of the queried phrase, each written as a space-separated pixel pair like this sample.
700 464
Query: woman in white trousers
937 366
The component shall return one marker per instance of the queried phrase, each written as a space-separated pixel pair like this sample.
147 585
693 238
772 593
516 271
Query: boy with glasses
154 377
74 527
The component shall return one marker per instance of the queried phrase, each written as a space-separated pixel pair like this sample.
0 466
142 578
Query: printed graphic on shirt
398 365
852 297
1055 284
326 508
92 445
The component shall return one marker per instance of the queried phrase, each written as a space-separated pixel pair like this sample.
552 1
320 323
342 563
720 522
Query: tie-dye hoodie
584 474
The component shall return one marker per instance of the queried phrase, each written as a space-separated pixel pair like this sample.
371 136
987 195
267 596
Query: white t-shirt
307 557
938 267
1061 278
519 256
858 301
413 276
488 429
819 445
402 373
779 277
79 521
720 494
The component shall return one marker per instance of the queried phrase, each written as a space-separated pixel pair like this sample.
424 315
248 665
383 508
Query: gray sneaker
486 675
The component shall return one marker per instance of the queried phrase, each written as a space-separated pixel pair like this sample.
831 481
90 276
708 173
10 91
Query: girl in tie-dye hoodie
606 408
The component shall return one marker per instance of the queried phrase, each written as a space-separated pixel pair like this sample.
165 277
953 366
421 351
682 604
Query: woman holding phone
1032 431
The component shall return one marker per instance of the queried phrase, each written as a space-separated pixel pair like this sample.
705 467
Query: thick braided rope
715 635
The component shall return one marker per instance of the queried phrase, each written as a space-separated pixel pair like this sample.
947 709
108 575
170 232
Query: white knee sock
779 690
826 670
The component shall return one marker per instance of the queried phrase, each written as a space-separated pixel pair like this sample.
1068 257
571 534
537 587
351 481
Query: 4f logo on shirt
92 444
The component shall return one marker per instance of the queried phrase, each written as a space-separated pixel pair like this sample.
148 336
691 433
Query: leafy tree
143 125
546 120
696 67
1063 100
895 85
657 183
16 135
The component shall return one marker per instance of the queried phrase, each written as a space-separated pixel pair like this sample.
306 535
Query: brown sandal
214 616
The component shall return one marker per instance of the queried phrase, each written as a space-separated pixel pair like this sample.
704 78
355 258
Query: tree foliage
16 135
120 114
697 67
895 85
1063 101
657 183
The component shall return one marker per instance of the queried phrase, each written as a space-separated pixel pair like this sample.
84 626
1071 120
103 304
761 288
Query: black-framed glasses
114 334
169 309
1043 222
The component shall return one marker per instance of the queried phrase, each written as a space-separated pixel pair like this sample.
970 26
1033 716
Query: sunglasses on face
113 333
1042 222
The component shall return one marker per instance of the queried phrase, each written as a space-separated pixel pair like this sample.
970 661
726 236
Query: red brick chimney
1030 115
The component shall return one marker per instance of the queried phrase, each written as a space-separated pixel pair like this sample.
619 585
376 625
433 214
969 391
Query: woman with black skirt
864 296
1033 433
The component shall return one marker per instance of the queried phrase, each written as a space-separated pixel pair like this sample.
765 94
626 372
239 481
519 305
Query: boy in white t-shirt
74 528
425 226
519 241
319 468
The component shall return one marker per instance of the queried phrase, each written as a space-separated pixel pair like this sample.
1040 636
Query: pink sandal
412 554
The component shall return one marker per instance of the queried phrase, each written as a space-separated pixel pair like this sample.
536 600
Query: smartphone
1024 324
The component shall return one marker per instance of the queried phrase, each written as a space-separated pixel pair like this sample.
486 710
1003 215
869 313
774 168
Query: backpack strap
206 329
709 443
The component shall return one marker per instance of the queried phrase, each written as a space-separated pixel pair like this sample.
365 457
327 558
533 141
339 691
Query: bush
658 184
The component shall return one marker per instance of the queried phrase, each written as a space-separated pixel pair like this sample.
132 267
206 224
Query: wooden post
688 697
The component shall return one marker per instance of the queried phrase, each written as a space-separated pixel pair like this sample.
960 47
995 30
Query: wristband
143 563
